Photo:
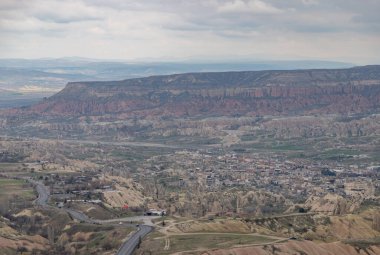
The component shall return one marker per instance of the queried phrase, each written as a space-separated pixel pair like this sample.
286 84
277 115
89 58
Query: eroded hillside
342 91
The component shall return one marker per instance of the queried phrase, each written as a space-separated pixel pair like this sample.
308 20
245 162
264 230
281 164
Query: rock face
278 93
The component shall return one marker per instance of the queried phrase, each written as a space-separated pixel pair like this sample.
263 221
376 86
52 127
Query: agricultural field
200 241
10 188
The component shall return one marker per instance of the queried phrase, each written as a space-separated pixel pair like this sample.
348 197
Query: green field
10 167
10 188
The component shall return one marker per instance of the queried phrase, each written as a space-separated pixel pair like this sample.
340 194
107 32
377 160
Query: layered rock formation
279 93
281 104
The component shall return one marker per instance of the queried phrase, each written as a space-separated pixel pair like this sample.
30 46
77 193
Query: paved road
146 219
43 194
43 198
42 190
127 247
78 215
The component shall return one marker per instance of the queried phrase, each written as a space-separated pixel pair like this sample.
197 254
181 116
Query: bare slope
341 91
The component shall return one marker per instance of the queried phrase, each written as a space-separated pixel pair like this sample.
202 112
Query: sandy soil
298 247
126 192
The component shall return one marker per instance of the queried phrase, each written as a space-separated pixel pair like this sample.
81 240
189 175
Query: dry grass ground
126 192
93 239
12 168
330 235
298 247
93 210
199 241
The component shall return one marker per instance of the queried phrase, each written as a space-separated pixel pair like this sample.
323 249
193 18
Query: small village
210 172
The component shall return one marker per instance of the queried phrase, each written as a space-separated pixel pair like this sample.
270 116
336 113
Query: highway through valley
133 242
127 248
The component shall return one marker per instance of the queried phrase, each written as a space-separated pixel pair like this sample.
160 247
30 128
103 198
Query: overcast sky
343 30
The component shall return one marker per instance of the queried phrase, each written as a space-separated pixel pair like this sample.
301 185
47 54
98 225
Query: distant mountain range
55 73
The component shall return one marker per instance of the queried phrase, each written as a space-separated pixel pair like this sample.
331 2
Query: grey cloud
14 5
168 26
320 17
248 6
63 19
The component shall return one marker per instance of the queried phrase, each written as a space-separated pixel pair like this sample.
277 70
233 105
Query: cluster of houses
216 171
84 188
296 179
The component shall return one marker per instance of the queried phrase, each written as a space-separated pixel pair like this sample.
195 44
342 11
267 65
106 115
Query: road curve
79 216
127 247
133 242
146 219
43 192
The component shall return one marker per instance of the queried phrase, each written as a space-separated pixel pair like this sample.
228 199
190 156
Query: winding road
127 247
43 193
133 242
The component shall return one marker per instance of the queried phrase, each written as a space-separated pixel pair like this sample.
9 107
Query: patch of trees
327 172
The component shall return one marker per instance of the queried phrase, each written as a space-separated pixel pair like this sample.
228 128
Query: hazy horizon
212 30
